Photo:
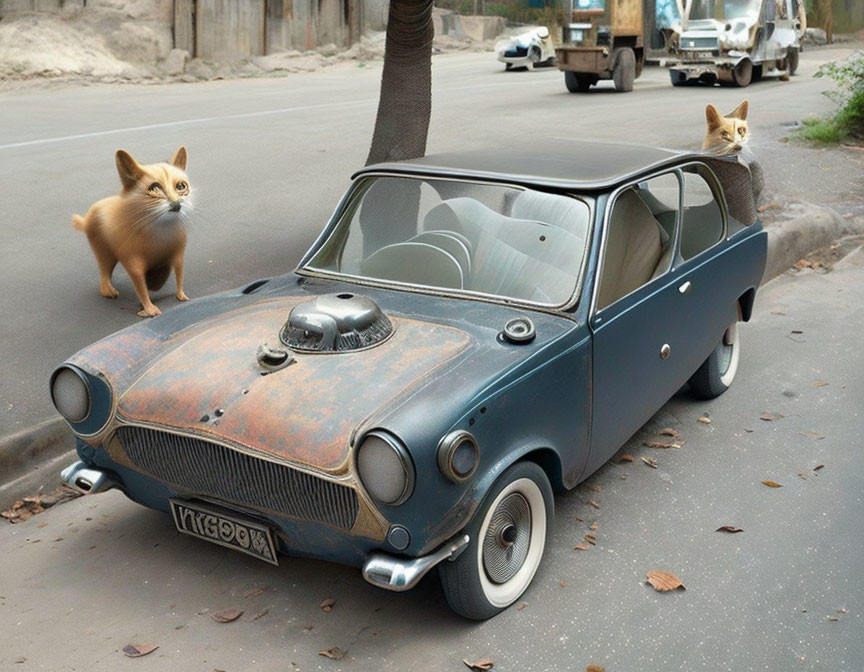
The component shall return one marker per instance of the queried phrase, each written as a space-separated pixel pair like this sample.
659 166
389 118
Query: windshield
487 238
725 10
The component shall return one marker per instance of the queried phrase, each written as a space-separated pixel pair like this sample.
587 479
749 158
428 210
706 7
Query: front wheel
508 535
716 373
577 83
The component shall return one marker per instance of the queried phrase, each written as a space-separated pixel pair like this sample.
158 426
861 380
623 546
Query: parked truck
733 42
603 40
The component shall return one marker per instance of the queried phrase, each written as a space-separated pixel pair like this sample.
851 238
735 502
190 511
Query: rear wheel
716 374
508 535
578 82
624 71
792 60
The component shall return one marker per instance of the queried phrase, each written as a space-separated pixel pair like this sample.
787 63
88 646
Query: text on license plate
224 529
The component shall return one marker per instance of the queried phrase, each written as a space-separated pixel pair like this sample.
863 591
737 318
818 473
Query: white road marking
241 115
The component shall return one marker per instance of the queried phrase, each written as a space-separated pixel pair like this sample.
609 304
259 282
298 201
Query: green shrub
848 120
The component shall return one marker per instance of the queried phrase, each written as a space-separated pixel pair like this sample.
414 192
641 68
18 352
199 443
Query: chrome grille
209 469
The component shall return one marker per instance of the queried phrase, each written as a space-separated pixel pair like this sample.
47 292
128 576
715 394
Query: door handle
683 289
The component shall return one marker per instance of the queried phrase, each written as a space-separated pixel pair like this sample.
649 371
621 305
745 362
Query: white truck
733 42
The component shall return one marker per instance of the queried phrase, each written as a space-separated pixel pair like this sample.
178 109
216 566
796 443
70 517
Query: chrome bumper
86 480
400 574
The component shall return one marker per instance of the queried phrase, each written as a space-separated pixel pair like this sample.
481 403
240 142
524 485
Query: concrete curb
811 228
32 458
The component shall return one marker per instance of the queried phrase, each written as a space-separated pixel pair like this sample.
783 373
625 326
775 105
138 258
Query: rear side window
703 223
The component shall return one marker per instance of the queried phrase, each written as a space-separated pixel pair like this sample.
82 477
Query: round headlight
385 468
71 394
458 455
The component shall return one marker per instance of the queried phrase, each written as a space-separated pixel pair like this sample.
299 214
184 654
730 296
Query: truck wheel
792 60
508 535
742 75
577 83
716 374
624 71
678 78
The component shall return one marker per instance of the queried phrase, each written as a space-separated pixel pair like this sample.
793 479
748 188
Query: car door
650 340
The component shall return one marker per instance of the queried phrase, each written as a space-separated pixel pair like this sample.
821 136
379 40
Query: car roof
568 165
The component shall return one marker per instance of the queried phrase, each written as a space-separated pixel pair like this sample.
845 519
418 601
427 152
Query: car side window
639 237
703 222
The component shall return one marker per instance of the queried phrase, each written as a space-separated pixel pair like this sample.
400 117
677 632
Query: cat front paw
109 292
181 296
149 311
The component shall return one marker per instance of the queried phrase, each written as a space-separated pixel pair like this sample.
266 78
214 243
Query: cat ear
128 168
740 112
179 158
712 116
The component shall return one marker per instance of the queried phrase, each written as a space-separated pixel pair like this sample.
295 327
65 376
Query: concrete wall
223 29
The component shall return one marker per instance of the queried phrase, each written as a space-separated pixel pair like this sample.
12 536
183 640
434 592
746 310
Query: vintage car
533 47
470 332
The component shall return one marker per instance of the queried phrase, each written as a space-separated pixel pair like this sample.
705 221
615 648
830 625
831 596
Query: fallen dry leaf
27 507
768 417
728 528
593 503
308 626
581 547
818 467
138 650
668 431
594 668
773 205
480 665
820 383
260 614
255 592
833 618
651 462
334 653
812 435
226 615
663 581
563 583
804 475
594 487
327 605
771 484
521 606
594 526
705 420
661 444
626 457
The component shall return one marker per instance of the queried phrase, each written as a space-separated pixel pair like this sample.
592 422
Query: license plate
224 529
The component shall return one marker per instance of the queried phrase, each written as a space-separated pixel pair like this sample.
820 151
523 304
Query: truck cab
603 40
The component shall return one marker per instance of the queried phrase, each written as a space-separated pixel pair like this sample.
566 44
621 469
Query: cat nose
175 206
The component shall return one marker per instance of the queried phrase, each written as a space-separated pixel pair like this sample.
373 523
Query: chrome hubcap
507 539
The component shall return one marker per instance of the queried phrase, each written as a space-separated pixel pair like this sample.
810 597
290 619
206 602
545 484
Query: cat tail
157 276
79 223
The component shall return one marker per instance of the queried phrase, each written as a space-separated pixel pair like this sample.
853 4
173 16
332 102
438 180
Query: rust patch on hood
211 384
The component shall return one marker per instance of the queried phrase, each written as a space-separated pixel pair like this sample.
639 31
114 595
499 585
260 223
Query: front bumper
379 569
398 574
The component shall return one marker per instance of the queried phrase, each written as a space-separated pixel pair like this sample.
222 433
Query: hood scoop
336 323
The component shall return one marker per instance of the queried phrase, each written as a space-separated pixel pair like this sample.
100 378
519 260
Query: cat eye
741 131
181 186
155 187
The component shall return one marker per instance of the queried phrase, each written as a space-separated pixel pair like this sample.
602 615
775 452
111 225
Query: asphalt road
84 579
270 157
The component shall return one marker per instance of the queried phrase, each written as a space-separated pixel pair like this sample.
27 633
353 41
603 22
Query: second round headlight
458 455
385 468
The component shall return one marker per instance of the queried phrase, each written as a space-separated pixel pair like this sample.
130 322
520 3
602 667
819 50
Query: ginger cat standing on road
726 134
142 228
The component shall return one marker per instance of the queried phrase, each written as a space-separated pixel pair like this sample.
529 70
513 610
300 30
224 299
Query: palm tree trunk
405 104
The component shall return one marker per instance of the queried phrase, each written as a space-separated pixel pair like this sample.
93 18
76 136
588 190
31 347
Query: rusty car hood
207 381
